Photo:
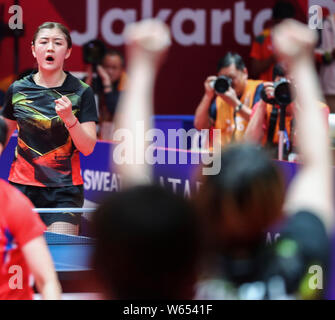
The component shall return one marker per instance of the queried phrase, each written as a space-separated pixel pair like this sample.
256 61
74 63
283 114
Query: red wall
180 83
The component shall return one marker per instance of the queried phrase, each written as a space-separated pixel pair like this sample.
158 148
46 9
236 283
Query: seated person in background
110 83
229 111
263 126
247 200
262 52
22 245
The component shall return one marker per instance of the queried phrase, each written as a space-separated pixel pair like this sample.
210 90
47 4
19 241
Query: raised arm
147 43
312 188
255 132
83 134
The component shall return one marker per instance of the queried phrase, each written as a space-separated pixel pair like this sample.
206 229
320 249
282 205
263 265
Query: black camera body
93 52
221 84
282 93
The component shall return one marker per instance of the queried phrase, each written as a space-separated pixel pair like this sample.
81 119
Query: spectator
246 200
262 52
111 83
22 245
229 112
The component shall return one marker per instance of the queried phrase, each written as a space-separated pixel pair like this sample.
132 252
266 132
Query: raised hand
64 110
208 85
230 97
149 40
106 81
293 40
147 43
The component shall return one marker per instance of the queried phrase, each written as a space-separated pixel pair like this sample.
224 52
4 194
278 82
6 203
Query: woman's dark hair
147 244
25 73
52 25
244 199
3 132
229 59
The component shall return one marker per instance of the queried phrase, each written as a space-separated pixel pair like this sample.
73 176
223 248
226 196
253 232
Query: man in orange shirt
263 127
229 111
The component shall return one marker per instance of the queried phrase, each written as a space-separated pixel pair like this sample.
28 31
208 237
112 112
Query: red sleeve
24 223
255 50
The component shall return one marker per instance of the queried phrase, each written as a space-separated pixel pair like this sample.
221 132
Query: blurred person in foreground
148 242
246 202
23 250
147 238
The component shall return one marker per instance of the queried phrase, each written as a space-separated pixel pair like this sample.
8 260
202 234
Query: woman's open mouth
50 59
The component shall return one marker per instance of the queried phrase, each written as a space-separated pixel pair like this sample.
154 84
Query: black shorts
55 197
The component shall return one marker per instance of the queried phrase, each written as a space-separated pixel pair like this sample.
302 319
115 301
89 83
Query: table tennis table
72 260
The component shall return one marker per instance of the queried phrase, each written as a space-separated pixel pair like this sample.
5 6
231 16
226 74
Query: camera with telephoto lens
282 93
221 84
93 52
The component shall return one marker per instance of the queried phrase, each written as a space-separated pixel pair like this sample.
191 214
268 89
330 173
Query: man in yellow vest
229 111
263 126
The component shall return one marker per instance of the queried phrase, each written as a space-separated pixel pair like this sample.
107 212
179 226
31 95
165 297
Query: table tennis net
64 239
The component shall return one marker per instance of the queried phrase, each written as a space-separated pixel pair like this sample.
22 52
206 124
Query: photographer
228 110
108 85
263 127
